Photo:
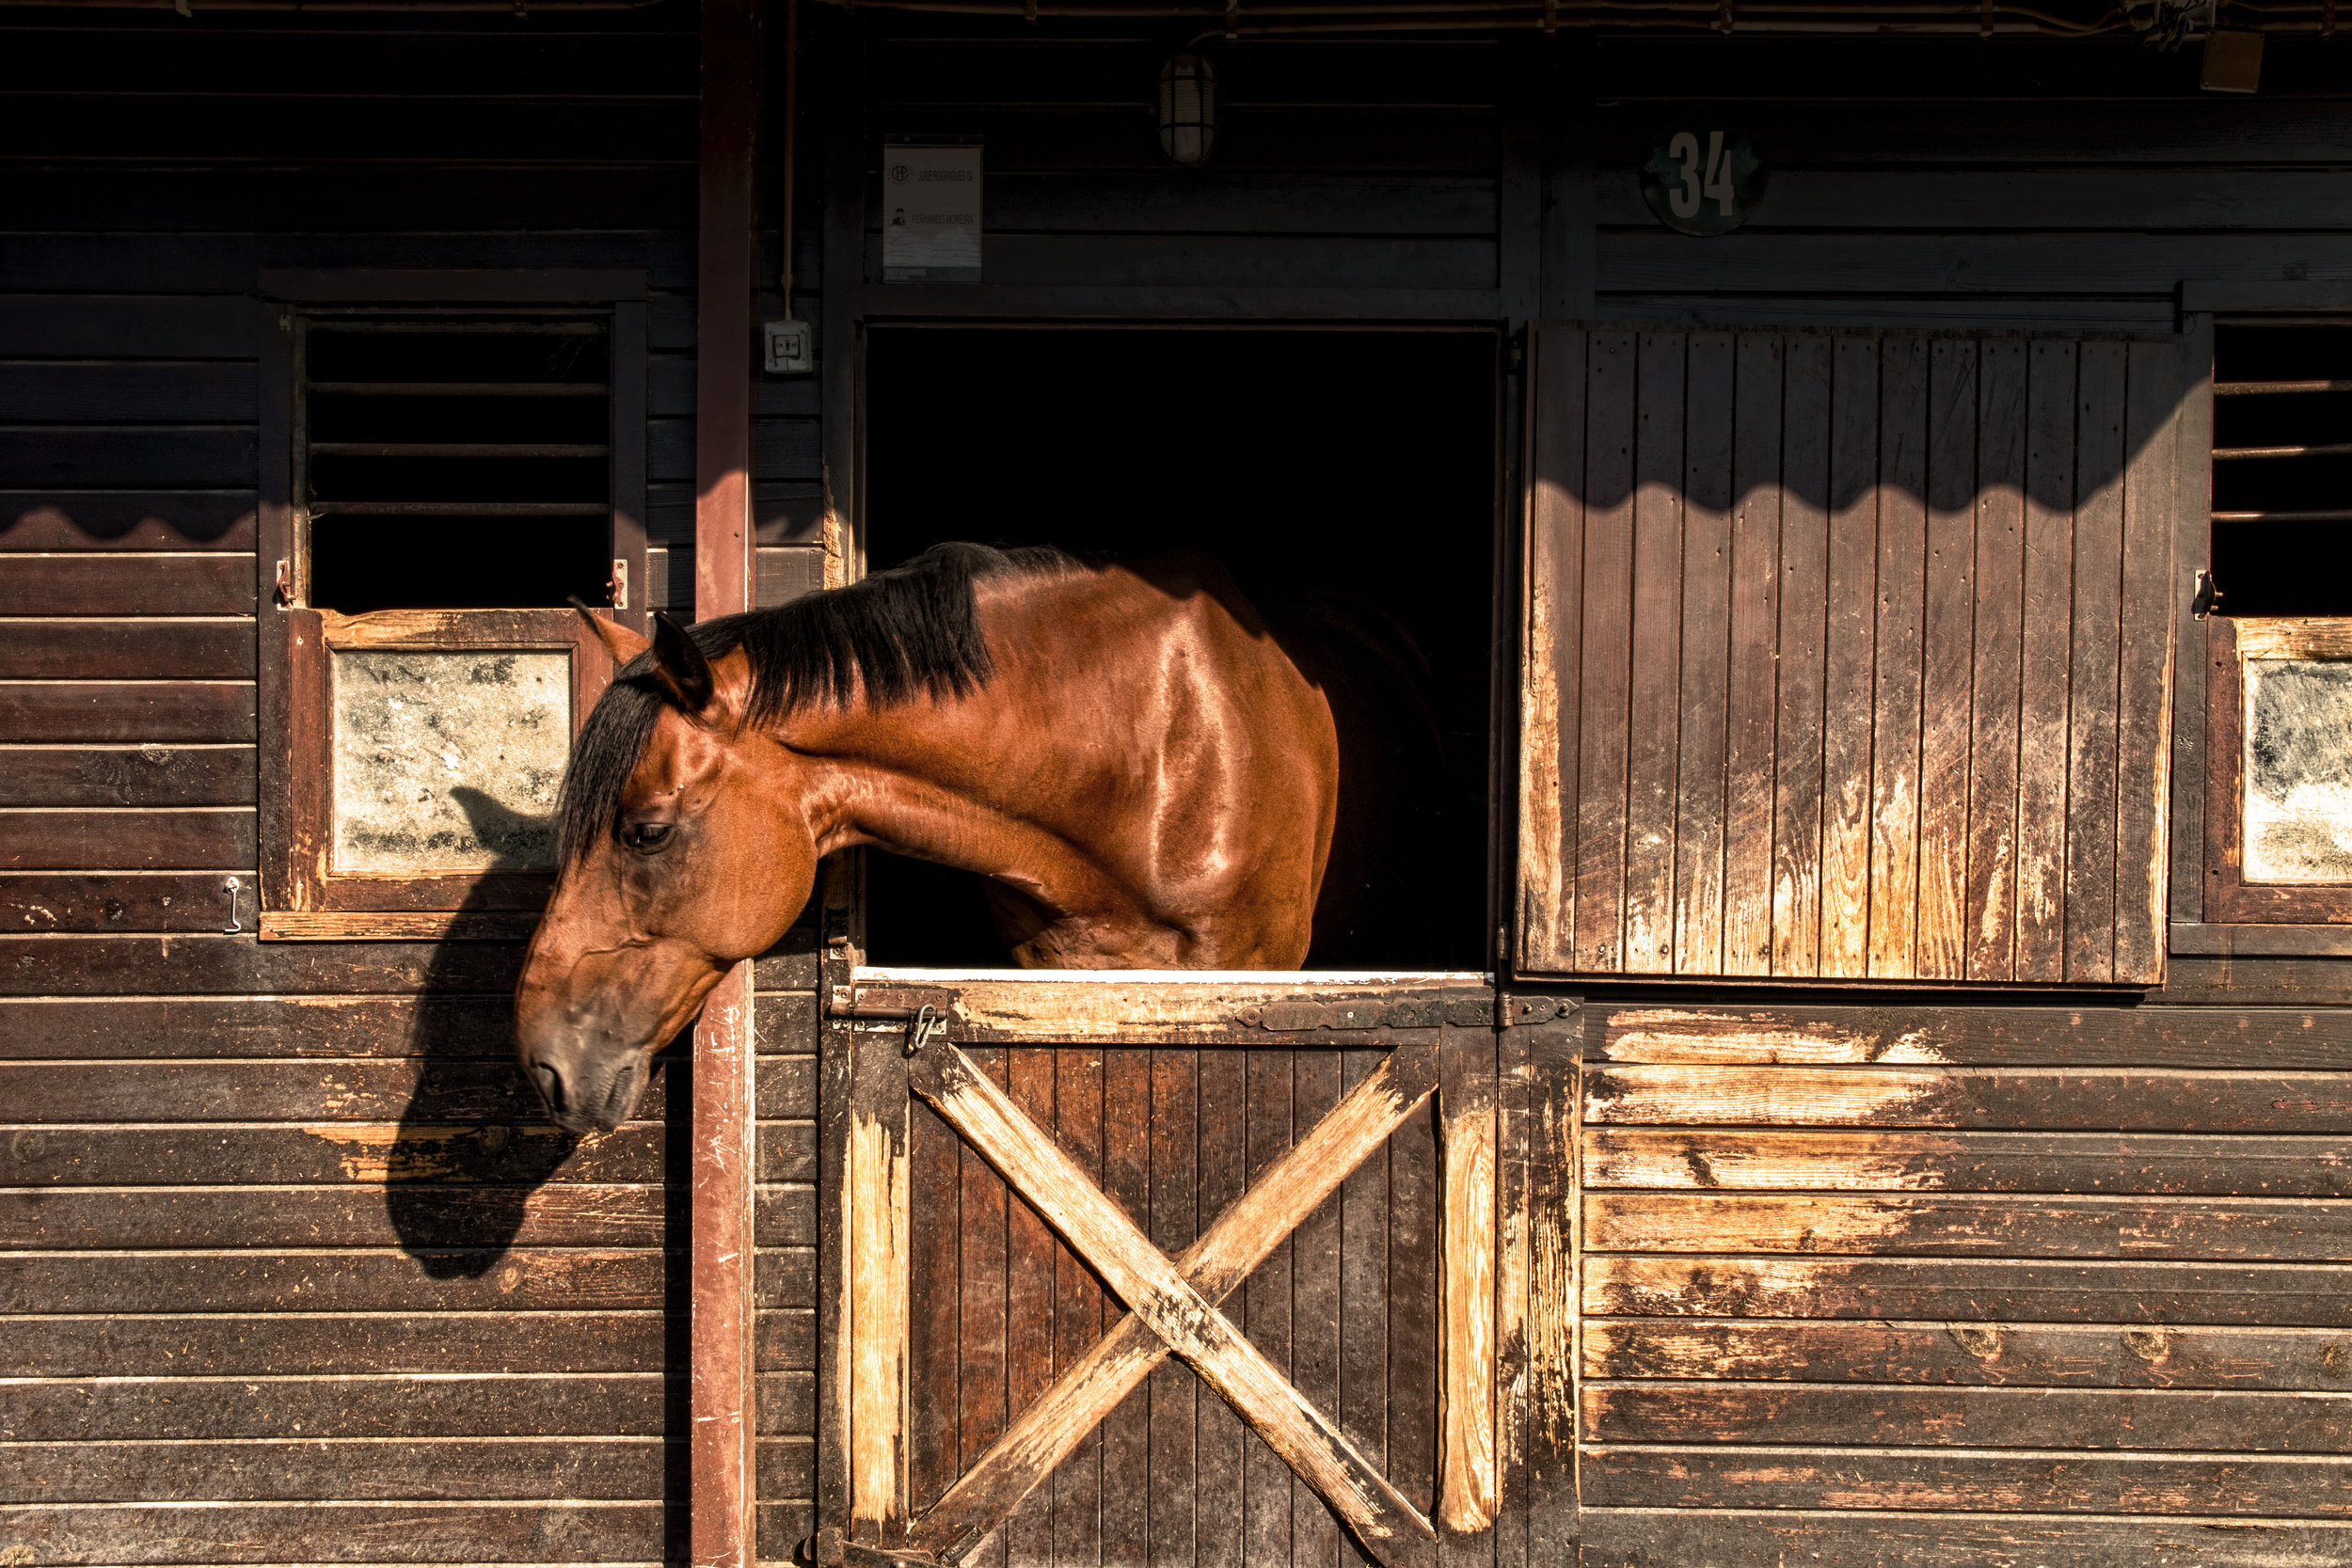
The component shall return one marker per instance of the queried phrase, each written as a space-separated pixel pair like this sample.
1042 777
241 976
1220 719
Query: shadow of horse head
516 842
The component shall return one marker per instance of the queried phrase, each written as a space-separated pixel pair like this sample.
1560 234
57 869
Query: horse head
672 866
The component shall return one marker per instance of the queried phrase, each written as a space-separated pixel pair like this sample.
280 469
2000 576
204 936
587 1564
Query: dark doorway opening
1351 469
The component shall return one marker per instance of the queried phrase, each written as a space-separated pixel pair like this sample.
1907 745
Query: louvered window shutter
1848 656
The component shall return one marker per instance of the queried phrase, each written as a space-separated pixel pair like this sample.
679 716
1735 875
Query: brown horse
1126 753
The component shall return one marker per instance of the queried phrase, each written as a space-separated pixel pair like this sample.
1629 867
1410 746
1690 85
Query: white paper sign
930 215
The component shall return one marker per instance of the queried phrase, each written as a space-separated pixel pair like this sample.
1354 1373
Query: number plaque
1702 181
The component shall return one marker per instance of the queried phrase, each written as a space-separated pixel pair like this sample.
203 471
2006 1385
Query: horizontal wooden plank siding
304 1271
1976 838
1825 1277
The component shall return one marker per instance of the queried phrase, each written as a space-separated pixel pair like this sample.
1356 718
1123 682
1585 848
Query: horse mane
914 629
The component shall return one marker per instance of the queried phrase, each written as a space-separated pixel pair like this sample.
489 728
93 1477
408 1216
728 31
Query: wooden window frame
2215 911
2230 898
302 897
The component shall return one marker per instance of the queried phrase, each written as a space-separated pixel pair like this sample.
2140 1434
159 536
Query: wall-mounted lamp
1187 110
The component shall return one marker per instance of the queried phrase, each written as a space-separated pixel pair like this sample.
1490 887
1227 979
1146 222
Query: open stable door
1848 656
1219 1270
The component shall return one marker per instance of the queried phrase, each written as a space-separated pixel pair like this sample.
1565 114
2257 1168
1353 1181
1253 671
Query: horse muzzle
585 1088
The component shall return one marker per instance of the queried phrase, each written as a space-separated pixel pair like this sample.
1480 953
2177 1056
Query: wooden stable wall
291 1271
1970 1285
2014 182
292 1268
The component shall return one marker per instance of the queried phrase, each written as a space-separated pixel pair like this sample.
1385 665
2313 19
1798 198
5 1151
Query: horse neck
922 775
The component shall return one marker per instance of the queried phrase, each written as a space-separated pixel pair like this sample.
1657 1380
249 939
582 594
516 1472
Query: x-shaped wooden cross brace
1172 1305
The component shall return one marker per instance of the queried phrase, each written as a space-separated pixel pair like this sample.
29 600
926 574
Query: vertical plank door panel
1550 685
2047 649
2091 695
1605 660
2143 686
1903 526
1997 682
878 1247
1706 612
1797 823
1315 1324
1078 1315
1412 1308
1175 1192
1655 687
1947 642
1751 694
1266 1302
1363 1406
1029 1326
1218 1437
1871 657
982 1233
1848 656
1127 1432
935 1336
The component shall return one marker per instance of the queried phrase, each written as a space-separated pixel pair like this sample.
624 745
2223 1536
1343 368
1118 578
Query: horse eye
645 835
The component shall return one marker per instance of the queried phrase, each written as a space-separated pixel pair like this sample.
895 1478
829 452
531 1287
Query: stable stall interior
1349 472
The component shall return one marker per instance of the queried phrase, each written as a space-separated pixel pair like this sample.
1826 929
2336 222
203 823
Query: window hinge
616 590
283 593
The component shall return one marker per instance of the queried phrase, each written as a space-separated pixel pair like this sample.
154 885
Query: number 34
1700 183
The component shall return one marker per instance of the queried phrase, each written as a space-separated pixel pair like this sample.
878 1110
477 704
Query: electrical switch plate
791 348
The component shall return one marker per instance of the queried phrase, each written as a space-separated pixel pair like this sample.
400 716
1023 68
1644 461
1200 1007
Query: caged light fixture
1187 110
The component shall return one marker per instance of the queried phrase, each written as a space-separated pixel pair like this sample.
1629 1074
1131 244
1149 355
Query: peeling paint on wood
1681 1034
1469 1474
2188 1165
2091 1355
2317 1295
2292 1229
2120 1100
1219 1010
877 1310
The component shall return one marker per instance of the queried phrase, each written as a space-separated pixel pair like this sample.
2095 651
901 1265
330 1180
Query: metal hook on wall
231 887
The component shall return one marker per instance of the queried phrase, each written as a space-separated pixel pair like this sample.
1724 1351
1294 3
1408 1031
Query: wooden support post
722 1510
877 1248
1468 1469
1547 1412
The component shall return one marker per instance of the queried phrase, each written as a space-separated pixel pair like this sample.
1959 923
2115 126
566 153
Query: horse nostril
550 1085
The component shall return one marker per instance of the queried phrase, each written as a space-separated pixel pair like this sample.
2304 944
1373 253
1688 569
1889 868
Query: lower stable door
1964 1286
1168 1270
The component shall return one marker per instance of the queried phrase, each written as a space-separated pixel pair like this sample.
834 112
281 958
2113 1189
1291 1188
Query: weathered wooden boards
1848 656
2008 1264
1170 1301
1260 1294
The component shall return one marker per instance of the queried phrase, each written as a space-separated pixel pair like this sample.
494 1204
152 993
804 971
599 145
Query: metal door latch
926 1024
231 887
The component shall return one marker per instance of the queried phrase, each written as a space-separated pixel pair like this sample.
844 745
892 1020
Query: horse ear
679 666
621 642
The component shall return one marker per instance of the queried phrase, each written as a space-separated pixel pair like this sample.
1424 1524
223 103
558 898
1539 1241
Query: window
455 461
2279 698
458 454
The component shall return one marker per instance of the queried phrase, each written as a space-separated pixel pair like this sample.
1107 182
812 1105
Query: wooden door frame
1507 1215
